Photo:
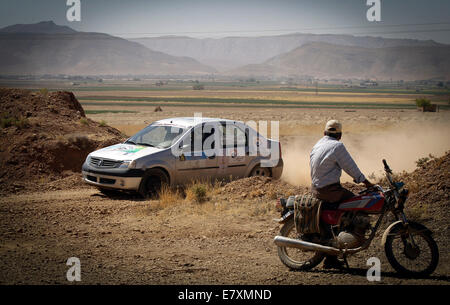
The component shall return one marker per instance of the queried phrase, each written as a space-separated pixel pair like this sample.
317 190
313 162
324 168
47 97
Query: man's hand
367 183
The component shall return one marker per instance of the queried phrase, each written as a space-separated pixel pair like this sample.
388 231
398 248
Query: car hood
123 152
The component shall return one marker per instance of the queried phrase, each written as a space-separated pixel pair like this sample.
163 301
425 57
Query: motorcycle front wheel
416 260
293 258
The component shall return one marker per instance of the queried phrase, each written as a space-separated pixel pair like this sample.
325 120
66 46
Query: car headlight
128 164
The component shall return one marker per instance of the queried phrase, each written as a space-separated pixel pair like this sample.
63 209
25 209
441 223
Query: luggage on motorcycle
307 214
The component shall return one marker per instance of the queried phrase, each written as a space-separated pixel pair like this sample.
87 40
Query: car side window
199 133
234 136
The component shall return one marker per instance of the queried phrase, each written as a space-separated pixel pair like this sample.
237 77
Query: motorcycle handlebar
373 188
386 166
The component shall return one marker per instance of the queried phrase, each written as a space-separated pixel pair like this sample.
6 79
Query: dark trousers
332 193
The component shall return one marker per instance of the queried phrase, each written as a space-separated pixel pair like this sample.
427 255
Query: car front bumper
123 179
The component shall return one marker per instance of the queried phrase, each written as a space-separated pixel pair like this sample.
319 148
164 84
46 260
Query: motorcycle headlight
128 164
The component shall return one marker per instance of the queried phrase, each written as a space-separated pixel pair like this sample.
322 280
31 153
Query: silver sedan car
176 151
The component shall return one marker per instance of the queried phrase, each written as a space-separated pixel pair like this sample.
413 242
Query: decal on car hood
124 151
125 148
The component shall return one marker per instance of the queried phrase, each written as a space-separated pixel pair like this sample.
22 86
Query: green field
240 93
234 102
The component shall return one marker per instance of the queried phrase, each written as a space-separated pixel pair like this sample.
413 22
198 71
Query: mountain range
47 48
325 60
231 52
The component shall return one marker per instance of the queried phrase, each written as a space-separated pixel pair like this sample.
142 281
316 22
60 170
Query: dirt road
125 240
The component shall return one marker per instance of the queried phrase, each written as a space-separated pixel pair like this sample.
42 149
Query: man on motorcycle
327 160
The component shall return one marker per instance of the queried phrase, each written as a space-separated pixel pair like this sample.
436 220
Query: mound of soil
45 137
429 184
429 201
257 187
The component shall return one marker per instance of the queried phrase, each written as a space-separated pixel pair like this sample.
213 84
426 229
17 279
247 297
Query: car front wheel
152 182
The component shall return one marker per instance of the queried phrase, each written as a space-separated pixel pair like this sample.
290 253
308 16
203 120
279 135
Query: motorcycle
347 229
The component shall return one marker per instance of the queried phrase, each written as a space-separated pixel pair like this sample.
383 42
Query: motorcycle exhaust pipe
282 241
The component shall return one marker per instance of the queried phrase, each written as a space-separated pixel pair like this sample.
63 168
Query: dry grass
168 197
194 193
261 209
205 198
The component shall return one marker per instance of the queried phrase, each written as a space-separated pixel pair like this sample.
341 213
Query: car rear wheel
260 171
152 182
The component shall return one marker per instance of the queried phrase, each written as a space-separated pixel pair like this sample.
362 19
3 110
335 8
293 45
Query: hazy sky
213 18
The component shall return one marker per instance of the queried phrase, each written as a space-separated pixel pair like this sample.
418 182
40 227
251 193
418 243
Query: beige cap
333 126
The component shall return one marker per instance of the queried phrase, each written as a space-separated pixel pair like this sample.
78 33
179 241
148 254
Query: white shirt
327 160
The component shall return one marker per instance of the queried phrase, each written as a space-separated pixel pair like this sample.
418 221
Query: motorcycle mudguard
417 226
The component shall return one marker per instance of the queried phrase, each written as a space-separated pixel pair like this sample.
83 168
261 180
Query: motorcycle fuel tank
372 202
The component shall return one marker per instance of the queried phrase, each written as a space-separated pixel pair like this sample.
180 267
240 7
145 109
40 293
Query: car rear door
235 147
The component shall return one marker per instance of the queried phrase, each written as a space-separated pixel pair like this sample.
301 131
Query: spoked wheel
415 260
295 258
260 171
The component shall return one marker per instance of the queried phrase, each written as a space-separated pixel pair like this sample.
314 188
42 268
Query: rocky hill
45 136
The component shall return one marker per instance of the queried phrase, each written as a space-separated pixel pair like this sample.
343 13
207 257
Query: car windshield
161 136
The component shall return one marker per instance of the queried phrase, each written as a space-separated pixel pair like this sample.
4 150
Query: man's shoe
332 262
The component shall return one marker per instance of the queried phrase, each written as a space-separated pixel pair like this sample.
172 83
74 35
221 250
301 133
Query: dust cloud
401 146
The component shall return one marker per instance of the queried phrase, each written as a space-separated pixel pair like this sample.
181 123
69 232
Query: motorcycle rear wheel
297 259
406 259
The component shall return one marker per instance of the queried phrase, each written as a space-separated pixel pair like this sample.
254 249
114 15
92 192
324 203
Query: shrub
422 102
44 91
84 121
197 192
102 123
422 161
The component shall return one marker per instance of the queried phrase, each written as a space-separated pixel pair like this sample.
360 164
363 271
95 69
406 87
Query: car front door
196 162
